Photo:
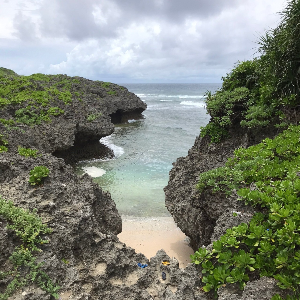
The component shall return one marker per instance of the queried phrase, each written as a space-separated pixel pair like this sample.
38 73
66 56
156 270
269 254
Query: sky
133 41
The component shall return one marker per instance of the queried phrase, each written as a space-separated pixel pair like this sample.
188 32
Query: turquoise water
145 149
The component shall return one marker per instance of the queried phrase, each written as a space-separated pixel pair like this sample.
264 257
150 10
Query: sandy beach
148 235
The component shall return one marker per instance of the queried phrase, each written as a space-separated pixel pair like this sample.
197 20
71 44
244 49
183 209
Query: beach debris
143 266
163 275
165 262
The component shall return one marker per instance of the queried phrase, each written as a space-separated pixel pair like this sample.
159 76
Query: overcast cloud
133 40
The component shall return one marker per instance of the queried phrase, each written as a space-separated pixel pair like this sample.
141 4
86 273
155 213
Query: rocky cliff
205 217
198 214
46 121
53 121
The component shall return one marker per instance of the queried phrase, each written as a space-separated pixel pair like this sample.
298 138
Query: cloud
157 40
81 20
26 28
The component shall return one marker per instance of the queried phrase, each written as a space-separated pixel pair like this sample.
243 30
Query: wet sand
148 235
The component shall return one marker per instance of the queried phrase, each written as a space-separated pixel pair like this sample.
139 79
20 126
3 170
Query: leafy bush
112 93
38 174
273 81
105 84
280 50
7 72
270 243
93 117
215 131
27 152
39 93
3 143
6 122
29 228
225 108
245 74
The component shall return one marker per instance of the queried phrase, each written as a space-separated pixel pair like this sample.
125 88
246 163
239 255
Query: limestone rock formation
84 256
197 215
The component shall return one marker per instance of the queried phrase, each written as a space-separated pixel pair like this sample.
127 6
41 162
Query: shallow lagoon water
145 149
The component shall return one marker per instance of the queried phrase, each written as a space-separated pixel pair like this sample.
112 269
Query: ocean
145 149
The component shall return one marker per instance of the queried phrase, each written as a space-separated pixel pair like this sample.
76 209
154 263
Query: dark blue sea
145 149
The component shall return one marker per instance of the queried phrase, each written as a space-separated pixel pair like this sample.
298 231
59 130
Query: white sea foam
192 103
180 96
191 97
118 151
94 171
166 100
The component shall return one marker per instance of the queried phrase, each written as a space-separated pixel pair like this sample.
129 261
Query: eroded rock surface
88 113
83 256
205 217
263 289
197 215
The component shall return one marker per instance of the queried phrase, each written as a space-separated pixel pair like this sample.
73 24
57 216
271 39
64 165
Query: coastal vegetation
257 94
264 91
38 174
27 152
3 143
24 267
266 176
93 117
38 98
7 72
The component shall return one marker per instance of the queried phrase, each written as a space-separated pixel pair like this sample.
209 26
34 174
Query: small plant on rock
25 269
111 93
3 144
27 152
93 117
105 84
38 174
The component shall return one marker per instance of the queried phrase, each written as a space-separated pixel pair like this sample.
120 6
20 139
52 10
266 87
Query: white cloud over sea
133 40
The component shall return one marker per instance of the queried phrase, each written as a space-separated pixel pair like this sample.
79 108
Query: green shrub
280 49
225 108
273 80
93 117
55 111
3 144
215 131
7 72
30 229
112 93
245 74
105 84
6 122
27 152
38 94
38 174
270 243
